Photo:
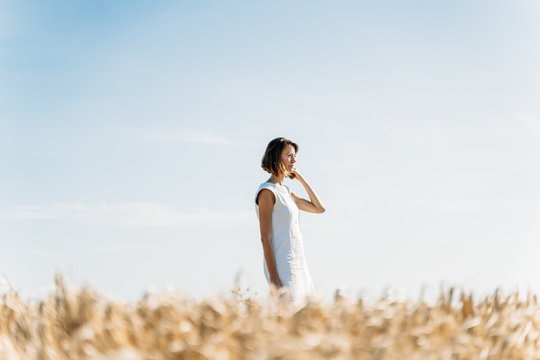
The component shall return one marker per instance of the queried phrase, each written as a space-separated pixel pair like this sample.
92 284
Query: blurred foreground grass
79 324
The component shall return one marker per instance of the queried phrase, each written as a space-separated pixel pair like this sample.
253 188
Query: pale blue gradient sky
131 135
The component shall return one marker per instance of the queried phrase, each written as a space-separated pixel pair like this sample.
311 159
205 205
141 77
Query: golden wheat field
77 323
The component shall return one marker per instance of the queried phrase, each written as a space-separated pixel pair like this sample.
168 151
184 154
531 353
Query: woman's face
288 157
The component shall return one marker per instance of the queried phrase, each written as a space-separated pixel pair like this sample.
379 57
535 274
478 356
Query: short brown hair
271 161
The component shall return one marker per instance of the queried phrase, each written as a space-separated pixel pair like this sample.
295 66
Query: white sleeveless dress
288 245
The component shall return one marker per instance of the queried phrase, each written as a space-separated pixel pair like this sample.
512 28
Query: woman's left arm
313 206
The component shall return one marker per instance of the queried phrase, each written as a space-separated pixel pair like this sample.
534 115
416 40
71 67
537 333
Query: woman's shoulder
274 187
267 184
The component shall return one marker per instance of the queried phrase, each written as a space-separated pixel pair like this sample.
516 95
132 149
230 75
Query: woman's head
279 157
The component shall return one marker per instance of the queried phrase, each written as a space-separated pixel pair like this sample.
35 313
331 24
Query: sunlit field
75 323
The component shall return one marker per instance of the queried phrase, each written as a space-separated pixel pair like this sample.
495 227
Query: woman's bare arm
266 200
313 206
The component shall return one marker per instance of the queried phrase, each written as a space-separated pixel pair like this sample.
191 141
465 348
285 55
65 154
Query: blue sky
131 135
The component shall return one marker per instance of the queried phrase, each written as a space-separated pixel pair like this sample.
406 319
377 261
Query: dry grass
79 324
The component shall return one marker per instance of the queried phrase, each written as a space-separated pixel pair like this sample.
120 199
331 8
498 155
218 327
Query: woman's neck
277 180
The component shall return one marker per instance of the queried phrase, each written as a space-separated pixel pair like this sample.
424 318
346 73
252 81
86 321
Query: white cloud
135 214
342 204
531 122
192 136
203 137
42 253
478 207
327 225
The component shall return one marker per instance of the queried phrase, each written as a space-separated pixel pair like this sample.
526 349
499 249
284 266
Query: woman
277 209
